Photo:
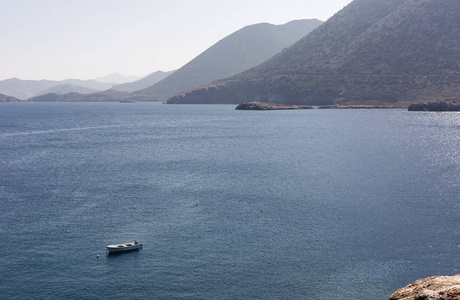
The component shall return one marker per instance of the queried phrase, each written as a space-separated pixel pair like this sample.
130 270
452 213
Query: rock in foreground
269 106
437 287
434 106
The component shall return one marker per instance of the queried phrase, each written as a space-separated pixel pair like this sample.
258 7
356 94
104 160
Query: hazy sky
84 39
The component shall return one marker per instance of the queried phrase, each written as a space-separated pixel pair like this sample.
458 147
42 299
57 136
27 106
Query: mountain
5 98
90 84
117 78
104 96
372 50
142 83
50 97
235 53
24 89
67 88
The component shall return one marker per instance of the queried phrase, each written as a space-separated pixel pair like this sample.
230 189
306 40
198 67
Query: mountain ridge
24 89
236 52
117 78
142 83
389 51
102 96
67 88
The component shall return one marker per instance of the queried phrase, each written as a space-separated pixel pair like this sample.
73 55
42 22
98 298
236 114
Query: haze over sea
307 204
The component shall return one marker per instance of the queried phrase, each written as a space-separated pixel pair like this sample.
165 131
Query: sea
301 204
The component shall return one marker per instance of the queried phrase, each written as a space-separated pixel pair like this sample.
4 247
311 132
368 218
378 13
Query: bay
308 204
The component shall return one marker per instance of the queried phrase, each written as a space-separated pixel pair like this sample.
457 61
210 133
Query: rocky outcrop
269 106
434 106
437 287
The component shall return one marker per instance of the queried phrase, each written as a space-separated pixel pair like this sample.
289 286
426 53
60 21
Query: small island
269 106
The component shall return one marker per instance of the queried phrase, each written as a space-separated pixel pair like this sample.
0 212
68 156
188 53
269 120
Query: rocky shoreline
434 106
269 106
275 106
425 106
436 287
359 107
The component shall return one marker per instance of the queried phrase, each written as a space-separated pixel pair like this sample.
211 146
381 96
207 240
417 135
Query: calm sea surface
311 204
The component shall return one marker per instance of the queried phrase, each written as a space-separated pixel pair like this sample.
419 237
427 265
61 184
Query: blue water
311 204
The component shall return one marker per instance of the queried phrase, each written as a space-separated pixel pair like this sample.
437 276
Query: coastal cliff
436 287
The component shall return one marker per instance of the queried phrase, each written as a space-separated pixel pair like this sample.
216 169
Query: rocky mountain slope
372 50
237 52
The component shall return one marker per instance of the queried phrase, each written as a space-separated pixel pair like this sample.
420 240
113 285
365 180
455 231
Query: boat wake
13 134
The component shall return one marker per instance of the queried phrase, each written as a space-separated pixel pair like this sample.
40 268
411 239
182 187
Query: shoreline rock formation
363 106
255 105
434 106
269 106
436 287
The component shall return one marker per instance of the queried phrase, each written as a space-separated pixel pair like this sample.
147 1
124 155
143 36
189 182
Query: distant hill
50 97
5 98
117 78
90 84
24 89
237 52
372 50
104 96
67 88
142 83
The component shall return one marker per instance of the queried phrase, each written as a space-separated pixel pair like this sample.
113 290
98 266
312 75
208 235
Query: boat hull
123 247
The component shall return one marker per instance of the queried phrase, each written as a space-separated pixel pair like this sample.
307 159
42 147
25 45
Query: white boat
124 247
